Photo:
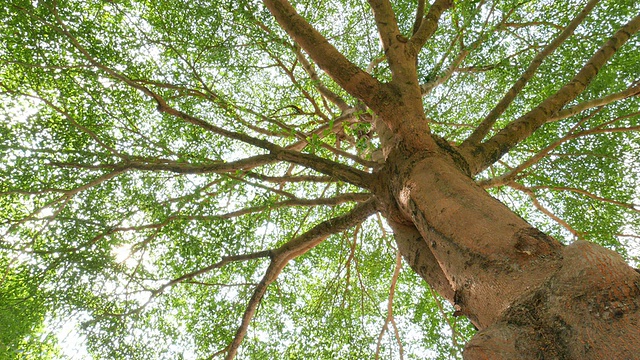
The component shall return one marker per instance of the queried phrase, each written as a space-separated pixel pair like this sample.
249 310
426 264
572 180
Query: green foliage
22 315
104 200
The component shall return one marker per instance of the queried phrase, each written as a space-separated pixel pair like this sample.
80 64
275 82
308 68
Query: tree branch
542 209
67 116
325 166
328 167
331 127
179 167
322 88
349 76
290 179
512 174
419 15
392 41
630 206
429 24
332 201
319 164
454 67
482 156
533 23
485 126
426 88
66 196
186 277
294 248
294 81
389 318
632 90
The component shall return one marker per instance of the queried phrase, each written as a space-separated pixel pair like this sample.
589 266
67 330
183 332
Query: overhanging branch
281 256
485 154
349 76
603 128
632 90
485 126
393 43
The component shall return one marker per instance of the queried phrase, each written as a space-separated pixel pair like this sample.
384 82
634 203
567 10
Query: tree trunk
530 296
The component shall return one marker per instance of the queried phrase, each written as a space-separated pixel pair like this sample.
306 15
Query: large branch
401 52
485 126
489 152
349 76
327 167
324 166
393 42
419 15
386 23
281 256
515 173
219 167
429 24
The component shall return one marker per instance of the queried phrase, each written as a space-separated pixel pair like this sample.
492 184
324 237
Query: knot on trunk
592 300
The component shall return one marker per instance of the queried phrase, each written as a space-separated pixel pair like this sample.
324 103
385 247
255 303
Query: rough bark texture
531 297
588 309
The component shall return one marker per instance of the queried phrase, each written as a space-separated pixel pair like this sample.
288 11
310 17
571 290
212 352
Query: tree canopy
179 178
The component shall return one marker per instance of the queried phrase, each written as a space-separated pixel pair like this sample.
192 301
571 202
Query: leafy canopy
155 154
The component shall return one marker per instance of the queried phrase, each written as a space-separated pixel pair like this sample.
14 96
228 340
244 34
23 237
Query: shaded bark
418 255
483 247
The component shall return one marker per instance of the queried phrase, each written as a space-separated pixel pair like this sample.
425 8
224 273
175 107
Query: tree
207 179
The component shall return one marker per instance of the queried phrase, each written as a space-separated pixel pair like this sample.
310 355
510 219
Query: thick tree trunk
530 297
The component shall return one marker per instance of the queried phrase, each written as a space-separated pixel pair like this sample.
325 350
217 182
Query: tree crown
164 160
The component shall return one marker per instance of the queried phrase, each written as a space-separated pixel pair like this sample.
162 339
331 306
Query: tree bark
530 296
